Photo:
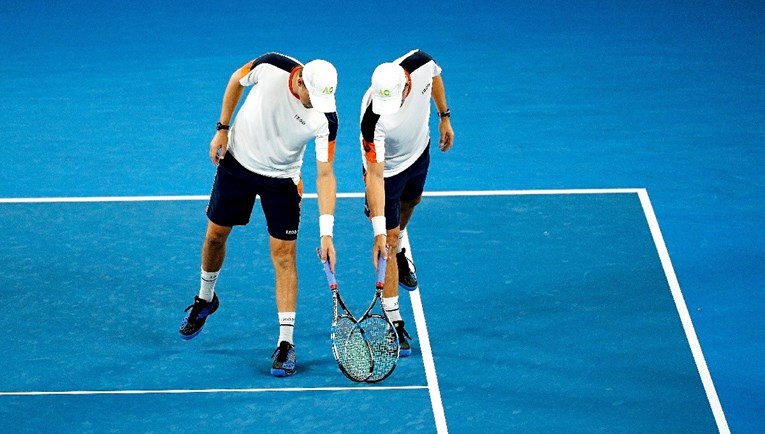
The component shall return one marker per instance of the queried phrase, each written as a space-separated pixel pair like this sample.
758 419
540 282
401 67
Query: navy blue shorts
407 185
233 197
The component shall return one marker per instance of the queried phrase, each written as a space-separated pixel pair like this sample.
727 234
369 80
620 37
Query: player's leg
281 206
389 300
283 256
206 302
394 186
231 203
411 196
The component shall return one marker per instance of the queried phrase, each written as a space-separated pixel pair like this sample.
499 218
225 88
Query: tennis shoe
200 310
407 278
284 360
404 349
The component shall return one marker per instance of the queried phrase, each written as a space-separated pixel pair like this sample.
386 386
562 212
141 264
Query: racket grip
330 275
382 264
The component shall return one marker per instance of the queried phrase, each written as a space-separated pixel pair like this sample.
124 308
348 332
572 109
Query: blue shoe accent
284 360
194 320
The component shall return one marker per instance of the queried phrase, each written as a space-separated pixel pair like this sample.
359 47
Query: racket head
383 341
351 349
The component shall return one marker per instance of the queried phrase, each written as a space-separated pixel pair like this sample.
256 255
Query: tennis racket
380 332
350 343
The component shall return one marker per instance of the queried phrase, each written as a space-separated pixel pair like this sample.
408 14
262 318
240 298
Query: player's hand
218 146
380 247
328 252
447 135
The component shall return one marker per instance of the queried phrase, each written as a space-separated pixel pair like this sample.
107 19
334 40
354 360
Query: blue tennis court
561 308
589 253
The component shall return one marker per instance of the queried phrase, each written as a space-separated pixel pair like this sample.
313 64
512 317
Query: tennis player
260 155
395 147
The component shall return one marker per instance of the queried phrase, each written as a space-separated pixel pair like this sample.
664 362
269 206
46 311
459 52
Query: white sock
207 284
390 306
286 326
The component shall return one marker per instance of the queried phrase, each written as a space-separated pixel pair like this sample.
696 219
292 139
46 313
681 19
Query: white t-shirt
400 138
272 127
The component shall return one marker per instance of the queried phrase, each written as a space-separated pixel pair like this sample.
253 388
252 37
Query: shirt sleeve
250 73
372 136
325 139
436 69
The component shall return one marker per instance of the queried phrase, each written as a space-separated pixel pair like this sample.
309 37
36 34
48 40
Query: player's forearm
326 188
439 94
231 97
375 189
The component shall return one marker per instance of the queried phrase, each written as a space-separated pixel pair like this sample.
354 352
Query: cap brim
324 103
385 106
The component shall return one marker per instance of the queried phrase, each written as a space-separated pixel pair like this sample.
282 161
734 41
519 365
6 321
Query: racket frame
339 306
382 263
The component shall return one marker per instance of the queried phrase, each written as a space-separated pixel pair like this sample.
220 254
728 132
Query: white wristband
378 225
326 224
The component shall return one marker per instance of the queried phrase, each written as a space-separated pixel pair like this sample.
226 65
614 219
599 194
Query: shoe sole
196 333
191 336
404 353
408 288
281 372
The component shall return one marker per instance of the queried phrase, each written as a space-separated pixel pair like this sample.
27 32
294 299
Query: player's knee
283 254
216 239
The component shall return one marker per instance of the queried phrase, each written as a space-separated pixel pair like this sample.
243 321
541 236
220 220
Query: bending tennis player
395 147
260 155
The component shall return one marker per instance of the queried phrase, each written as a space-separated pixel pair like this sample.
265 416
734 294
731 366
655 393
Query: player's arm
231 97
375 192
326 188
373 154
444 125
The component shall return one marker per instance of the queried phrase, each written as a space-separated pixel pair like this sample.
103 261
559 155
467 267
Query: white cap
388 83
320 78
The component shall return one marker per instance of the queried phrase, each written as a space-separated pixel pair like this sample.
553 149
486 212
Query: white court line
685 317
90 199
63 199
184 391
427 353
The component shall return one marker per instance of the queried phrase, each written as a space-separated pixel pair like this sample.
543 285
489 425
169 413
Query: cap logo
383 92
328 90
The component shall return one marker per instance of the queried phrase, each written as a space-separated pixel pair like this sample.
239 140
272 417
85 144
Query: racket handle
382 264
330 275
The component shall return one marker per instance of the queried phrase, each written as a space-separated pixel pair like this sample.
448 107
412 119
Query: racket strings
351 350
384 342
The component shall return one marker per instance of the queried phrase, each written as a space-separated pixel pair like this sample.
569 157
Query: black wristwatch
445 114
219 126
